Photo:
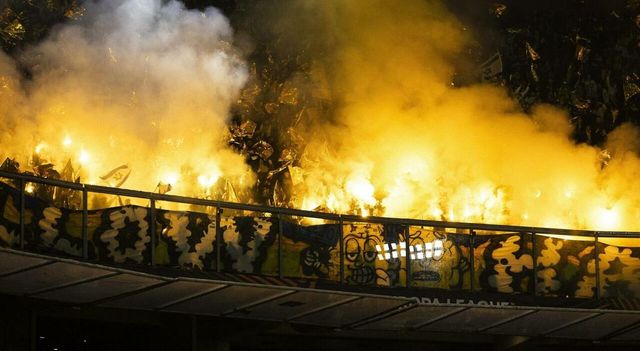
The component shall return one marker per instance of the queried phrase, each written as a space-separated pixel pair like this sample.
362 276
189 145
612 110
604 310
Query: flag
117 176
163 188
492 67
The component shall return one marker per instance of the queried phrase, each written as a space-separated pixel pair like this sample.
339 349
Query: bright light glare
361 189
29 188
39 148
84 157
208 181
607 218
66 142
170 178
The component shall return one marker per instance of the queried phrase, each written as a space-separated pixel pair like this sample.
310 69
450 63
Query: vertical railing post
85 223
22 199
597 266
152 229
218 240
341 245
280 254
534 254
408 254
472 258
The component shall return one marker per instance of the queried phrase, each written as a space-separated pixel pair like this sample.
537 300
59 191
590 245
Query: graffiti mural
439 259
362 266
311 251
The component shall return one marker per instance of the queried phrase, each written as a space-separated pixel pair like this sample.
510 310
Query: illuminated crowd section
305 248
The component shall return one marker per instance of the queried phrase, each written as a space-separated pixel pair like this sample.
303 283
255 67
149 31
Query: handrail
311 214
470 229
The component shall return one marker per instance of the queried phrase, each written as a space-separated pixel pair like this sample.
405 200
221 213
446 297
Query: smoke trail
407 141
139 82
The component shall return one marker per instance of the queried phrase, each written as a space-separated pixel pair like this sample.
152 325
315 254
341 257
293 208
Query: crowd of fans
580 55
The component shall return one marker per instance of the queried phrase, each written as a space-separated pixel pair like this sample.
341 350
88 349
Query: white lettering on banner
449 301
431 250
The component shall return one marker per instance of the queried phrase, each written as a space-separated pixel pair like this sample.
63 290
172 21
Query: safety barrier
215 236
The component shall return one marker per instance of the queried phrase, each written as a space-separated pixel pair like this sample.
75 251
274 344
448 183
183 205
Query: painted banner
366 254
563 266
503 263
439 259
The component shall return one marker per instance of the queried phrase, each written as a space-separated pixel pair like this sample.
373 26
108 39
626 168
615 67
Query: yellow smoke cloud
149 84
139 82
431 150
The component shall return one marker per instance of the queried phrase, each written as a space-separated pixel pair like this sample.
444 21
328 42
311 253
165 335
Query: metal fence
482 257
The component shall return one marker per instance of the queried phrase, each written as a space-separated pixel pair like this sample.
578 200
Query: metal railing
465 228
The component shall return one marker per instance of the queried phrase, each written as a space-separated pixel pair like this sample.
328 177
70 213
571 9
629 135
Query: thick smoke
140 82
149 84
408 141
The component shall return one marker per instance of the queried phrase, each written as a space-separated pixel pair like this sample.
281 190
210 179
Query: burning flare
135 89
136 93
407 142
